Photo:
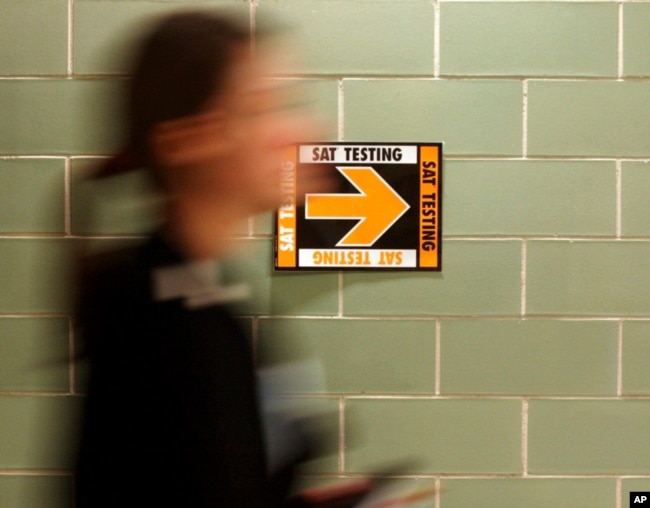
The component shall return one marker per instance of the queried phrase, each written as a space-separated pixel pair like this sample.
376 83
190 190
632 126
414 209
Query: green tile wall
636 44
634 184
57 116
574 198
39 273
21 491
594 118
34 355
588 278
532 493
38 432
33 197
478 277
105 30
588 436
636 348
516 376
534 357
471 117
33 37
528 39
360 37
429 436
360 356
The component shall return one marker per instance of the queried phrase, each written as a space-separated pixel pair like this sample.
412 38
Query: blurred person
172 412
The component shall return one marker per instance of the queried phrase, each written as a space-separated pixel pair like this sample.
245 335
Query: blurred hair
181 64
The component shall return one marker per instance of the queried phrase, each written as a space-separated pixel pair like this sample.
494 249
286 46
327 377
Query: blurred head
203 115
180 67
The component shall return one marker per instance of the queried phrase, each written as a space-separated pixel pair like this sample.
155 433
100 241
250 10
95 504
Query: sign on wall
385 214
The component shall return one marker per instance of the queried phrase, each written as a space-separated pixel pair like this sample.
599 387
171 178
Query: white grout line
70 38
524 437
436 38
36 472
438 360
524 119
67 198
402 317
619 360
524 275
620 42
72 355
457 397
341 461
341 111
619 199
341 299
360 77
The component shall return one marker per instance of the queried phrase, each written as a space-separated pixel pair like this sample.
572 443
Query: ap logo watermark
639 499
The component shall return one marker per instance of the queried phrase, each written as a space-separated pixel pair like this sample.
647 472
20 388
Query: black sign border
357 268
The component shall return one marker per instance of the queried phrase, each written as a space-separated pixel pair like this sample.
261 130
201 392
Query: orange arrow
377 206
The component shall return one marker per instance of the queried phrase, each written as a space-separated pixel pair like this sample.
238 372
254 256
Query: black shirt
171 415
